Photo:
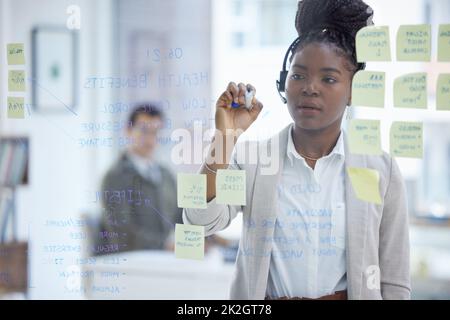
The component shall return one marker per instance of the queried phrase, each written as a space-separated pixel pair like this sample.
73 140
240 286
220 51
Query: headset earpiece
281 83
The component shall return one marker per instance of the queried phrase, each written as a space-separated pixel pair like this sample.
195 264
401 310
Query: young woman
305 233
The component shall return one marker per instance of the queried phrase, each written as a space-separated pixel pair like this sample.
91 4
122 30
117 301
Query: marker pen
249 94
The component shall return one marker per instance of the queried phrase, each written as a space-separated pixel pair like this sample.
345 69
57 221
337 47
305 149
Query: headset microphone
281 83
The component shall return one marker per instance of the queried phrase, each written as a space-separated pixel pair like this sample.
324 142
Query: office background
182 55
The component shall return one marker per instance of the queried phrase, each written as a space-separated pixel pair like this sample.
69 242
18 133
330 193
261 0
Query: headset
281 83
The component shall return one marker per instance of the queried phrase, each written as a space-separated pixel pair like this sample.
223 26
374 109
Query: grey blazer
377 236
143 222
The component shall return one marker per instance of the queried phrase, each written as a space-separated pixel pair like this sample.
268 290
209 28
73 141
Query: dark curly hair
332 21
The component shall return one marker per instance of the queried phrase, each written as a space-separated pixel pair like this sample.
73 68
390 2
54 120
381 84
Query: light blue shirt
308 253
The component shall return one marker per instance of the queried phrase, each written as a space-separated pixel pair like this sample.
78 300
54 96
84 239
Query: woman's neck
315 143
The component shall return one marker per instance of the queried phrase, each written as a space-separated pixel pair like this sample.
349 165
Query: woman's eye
329 80
297 77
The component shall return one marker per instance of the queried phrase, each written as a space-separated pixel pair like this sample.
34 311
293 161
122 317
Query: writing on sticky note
444 43
15 54
189 241
443 92
414 43
373 44
191 190
406 139
368 89
230 187
365 183
16 108
364 137
16 80
410 91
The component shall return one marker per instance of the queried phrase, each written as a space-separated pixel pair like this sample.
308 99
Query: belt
338 295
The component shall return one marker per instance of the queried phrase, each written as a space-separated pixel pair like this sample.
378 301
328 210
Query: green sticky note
189 241
230 187
16 80
364 137
368 89
15 54
414 43
16 108
191 190
406 139
443 92
444 43
410 91
365 183
373 44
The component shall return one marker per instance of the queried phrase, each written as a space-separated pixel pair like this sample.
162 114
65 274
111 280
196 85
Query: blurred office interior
180 55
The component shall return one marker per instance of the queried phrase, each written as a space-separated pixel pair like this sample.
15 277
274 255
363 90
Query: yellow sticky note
15 54
373 44
364 137
414 43
230 187
189 241
443 92
191 190
365 183
444 43
406 139
410 91
16 80
368 89
16 108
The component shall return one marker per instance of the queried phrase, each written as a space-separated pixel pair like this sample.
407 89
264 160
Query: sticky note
189 241
191 190
16 108
230 187
406 139
444 43
15 54
373 44
443 92
364 137
365 183
414 43
410 91
368 89
16 80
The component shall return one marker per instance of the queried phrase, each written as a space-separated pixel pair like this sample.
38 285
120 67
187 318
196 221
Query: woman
305 233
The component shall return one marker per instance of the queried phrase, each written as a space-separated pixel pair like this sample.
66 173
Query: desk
156 275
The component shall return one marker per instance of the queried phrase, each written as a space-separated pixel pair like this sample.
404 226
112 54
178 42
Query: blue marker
248 99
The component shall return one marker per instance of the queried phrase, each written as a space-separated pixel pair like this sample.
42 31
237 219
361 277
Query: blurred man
138 194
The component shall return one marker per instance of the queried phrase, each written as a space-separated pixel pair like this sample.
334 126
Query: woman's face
318 87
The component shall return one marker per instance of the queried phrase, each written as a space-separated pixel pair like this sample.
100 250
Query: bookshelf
14 166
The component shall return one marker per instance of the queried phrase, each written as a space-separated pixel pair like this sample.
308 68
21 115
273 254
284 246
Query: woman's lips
309 109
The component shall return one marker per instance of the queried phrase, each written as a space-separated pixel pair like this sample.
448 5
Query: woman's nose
310 88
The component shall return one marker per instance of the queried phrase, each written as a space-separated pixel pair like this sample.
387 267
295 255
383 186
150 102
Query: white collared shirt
308 253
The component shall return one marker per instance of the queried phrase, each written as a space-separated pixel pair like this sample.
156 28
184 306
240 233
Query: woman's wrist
220 151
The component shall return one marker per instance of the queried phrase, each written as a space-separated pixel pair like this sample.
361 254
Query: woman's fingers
234 90
257 106
236 95
241 96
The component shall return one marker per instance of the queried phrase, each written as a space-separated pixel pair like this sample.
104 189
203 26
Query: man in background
138 195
